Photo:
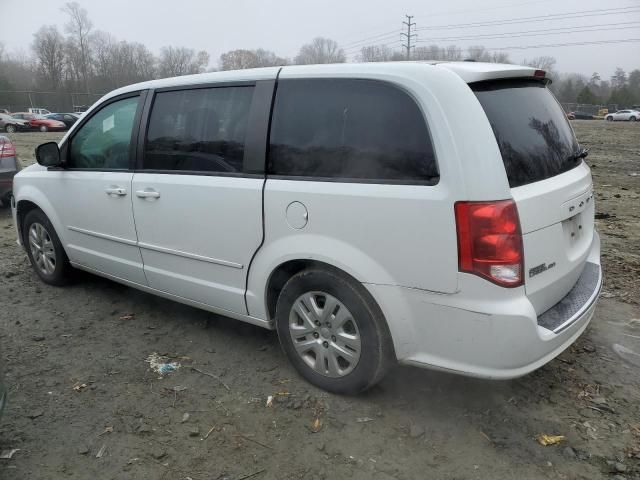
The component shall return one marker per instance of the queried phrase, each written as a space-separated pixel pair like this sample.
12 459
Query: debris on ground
35 414
107 429
102 451
627 354
7 454
269 401
161 365
364 419
544 439
128 316
416 431
185 417
78 387
212 376
316 425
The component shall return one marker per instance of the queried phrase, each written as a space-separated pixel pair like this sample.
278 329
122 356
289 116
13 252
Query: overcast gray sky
282 26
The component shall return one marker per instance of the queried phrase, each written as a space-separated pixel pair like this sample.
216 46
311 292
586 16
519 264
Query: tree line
82 59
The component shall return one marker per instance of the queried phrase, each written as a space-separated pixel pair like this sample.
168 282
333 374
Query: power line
409 36
533 33
538 18
570 44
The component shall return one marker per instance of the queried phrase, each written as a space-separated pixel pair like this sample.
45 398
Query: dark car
10 124
67 118
9 166
581 116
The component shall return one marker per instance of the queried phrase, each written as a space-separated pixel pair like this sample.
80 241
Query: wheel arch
29 198
276 262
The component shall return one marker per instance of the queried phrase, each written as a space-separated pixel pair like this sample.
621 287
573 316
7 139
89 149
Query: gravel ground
83 402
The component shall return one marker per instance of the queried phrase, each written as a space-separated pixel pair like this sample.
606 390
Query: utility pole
409 35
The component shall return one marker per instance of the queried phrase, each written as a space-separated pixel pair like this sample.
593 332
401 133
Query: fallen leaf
544 439
79 387
364 419
128 316
108 429
316 425
270 401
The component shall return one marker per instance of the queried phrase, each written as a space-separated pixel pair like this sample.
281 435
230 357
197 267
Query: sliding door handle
147 193
116 191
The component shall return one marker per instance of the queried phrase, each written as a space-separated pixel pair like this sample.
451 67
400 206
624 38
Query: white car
438 215
627 115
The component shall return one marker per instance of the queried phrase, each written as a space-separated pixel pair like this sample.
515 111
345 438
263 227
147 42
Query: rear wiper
582 153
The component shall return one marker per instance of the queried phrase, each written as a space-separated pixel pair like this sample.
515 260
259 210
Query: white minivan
433 214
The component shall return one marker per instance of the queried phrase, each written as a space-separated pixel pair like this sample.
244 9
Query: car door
197 195
92 193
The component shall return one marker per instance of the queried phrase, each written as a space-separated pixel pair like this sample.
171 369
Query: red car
39 122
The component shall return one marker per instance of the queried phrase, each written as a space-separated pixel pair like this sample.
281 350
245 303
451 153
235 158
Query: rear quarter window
349 130
532 131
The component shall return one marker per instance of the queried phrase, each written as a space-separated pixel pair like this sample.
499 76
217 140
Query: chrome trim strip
192 256
104 236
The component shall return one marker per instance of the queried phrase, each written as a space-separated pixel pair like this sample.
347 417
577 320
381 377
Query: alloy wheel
42 250
325 335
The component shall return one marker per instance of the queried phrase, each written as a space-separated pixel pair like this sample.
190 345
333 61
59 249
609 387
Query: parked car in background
39 111
5 111
623 115
40 122
363 213
9 166
11 124
580 116
67 118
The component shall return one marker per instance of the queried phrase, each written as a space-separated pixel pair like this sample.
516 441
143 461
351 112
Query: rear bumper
483 330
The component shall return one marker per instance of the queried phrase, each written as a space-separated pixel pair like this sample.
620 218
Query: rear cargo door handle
148 193
116 191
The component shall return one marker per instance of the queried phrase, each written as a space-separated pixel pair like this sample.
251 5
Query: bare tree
48 47
79 27
320 50
544 62
375 53
176 61
240 59
120 63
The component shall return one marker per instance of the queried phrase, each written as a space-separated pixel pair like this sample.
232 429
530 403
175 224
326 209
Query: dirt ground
83 402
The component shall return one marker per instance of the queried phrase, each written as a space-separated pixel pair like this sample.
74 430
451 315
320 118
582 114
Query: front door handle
117 191
147 193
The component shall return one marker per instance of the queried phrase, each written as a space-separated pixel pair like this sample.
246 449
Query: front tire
609 119
333 332
45 251
632 119
10 128
43 128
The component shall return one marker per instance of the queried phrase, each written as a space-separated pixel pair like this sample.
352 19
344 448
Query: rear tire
10 128
45 251
340 342
43 128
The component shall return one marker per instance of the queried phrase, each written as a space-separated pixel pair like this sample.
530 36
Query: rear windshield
533 134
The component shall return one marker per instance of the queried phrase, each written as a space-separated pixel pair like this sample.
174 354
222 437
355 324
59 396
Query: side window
200 130
349 129
105 140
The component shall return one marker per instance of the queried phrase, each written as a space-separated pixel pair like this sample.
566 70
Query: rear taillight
7 149
490 241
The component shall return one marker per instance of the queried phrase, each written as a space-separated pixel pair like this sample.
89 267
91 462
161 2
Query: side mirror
48 154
